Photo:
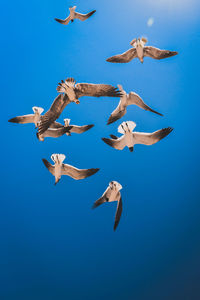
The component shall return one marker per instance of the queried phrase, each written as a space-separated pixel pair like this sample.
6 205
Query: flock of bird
70 91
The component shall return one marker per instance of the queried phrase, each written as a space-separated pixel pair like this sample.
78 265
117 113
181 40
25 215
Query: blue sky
52 245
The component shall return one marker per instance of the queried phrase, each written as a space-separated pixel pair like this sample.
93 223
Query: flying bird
140 50
72 128
126 100
59 169
130 138
32 118
75 15
71 92
111 194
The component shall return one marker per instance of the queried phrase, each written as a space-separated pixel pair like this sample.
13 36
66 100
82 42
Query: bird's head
67 121
58 158
115 185
127 126
37 110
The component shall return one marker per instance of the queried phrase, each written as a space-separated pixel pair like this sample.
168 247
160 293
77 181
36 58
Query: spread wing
23 119
49 166
53 113
117 114
119 211
96 90
157 53
124 57
80 129
151 138
104 198
64 22
134 98
77 173
118 143
84 17
56 132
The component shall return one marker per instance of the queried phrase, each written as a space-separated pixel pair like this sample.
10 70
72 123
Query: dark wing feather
80 129
53 113
48 166
84 17
23 119
77 173
104 198
124 57
118 212
151 138
157 53
118 143
96 90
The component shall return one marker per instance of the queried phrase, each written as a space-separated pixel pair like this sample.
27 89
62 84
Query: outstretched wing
117 114
64 22
56 132
56 125
119 211
151 138
134 98
23 119
80 129
124 57
96 90
104 198
157 53
118 143
49 166
77 173
53 113
84 17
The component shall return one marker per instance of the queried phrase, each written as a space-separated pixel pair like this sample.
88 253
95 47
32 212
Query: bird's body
75 15
140 51
59 169
130 138
71 92
72 128
112 194
126 100
31 118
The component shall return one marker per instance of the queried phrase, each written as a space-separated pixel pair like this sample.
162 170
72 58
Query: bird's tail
58 157
38 109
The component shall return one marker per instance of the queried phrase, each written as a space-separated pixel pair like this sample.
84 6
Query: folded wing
124 57
157 53
151 138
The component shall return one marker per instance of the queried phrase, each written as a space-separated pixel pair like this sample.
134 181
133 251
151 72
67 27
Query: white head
72 8
127 126
58 158
138 42
115 185
37 110
67 121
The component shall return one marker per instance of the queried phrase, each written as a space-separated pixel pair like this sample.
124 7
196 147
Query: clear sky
52 245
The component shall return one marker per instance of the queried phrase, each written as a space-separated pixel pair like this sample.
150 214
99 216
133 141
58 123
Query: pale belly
57 171
71 94
113 196
129 139
140 52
